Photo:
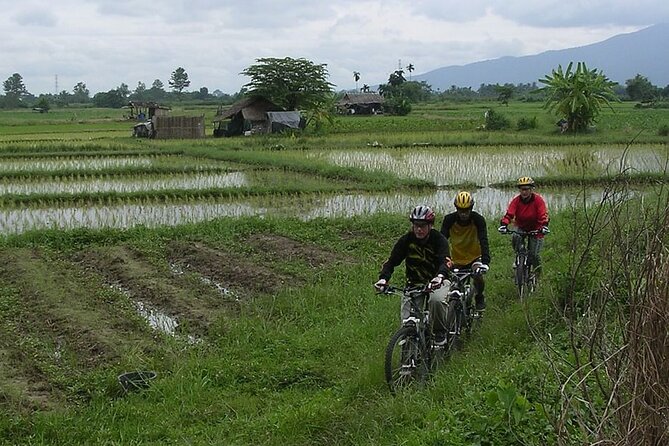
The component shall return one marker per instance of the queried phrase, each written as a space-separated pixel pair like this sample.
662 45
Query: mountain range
620 58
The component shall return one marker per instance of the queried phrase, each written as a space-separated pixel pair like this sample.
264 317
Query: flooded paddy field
489 201
92 164
321 197
177 180
487 165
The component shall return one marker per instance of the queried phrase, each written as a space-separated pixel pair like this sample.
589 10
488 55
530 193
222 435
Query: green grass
302 363
303 366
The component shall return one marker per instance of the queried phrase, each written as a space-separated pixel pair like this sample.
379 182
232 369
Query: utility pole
56 85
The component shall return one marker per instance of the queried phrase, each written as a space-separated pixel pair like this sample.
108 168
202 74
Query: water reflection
489 202
125 185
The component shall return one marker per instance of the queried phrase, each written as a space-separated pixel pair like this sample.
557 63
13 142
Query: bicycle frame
419 315
409 353
461 314
523 277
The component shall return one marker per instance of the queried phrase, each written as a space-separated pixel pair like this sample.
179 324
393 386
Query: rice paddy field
239 270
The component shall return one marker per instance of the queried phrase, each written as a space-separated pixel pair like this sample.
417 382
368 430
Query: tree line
399 92
17 95
576 95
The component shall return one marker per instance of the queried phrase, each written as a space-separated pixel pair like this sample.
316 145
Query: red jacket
529 216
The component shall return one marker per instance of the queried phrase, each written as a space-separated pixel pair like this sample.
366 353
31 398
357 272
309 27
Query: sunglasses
525 188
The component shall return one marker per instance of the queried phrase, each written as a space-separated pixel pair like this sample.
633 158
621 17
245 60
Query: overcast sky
105 43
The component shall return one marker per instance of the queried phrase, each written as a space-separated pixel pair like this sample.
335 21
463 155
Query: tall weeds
614 302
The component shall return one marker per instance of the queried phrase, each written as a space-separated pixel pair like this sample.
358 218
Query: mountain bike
462 316
524 276
411 354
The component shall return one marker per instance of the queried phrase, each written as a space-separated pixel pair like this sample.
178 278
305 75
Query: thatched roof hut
253 114
361 104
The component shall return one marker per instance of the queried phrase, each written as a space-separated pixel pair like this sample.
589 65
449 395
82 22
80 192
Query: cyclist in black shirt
424 251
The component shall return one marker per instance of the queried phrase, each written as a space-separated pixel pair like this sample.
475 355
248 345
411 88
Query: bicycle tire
531 282
453 324
472 318
407 362
521 275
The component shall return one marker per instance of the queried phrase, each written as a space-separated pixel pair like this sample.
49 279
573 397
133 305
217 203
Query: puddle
177 270
157 319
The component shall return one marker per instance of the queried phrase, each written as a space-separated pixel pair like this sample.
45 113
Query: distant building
255 115
361 104
155 122
144 111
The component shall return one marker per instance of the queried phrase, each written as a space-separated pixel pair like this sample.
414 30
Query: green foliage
115 98
663 130
527 123
577 95
505 93
43 105
15 90
399 94
640 89
295 84
179 80
496 121
397 105
322 114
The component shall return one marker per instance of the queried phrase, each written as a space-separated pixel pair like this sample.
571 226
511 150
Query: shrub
496 121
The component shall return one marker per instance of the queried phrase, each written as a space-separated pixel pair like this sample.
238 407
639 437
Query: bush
397 106
496 121
527 123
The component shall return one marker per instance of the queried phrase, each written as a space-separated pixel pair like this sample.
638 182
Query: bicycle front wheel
406 362
521 276
453 324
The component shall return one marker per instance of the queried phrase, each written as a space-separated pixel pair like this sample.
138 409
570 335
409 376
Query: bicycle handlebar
406 291
462 273
525 233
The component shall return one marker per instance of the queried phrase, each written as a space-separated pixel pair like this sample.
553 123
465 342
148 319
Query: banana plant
577 95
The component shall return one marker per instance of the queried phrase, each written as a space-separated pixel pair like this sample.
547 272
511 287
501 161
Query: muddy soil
63 316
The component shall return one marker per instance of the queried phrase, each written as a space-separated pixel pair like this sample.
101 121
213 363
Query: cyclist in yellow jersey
467 235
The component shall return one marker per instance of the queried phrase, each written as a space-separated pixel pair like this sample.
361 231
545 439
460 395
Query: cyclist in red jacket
528 212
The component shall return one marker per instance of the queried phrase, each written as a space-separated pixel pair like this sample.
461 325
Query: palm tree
365 88
410 68
356 76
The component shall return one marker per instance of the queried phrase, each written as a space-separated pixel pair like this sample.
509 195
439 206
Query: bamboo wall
179 127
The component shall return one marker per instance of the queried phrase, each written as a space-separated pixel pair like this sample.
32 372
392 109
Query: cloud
106 42
36 18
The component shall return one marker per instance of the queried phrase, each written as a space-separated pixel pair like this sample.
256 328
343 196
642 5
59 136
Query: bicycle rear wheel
407 362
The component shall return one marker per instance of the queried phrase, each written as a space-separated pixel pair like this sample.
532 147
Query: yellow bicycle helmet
525 181
463 200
